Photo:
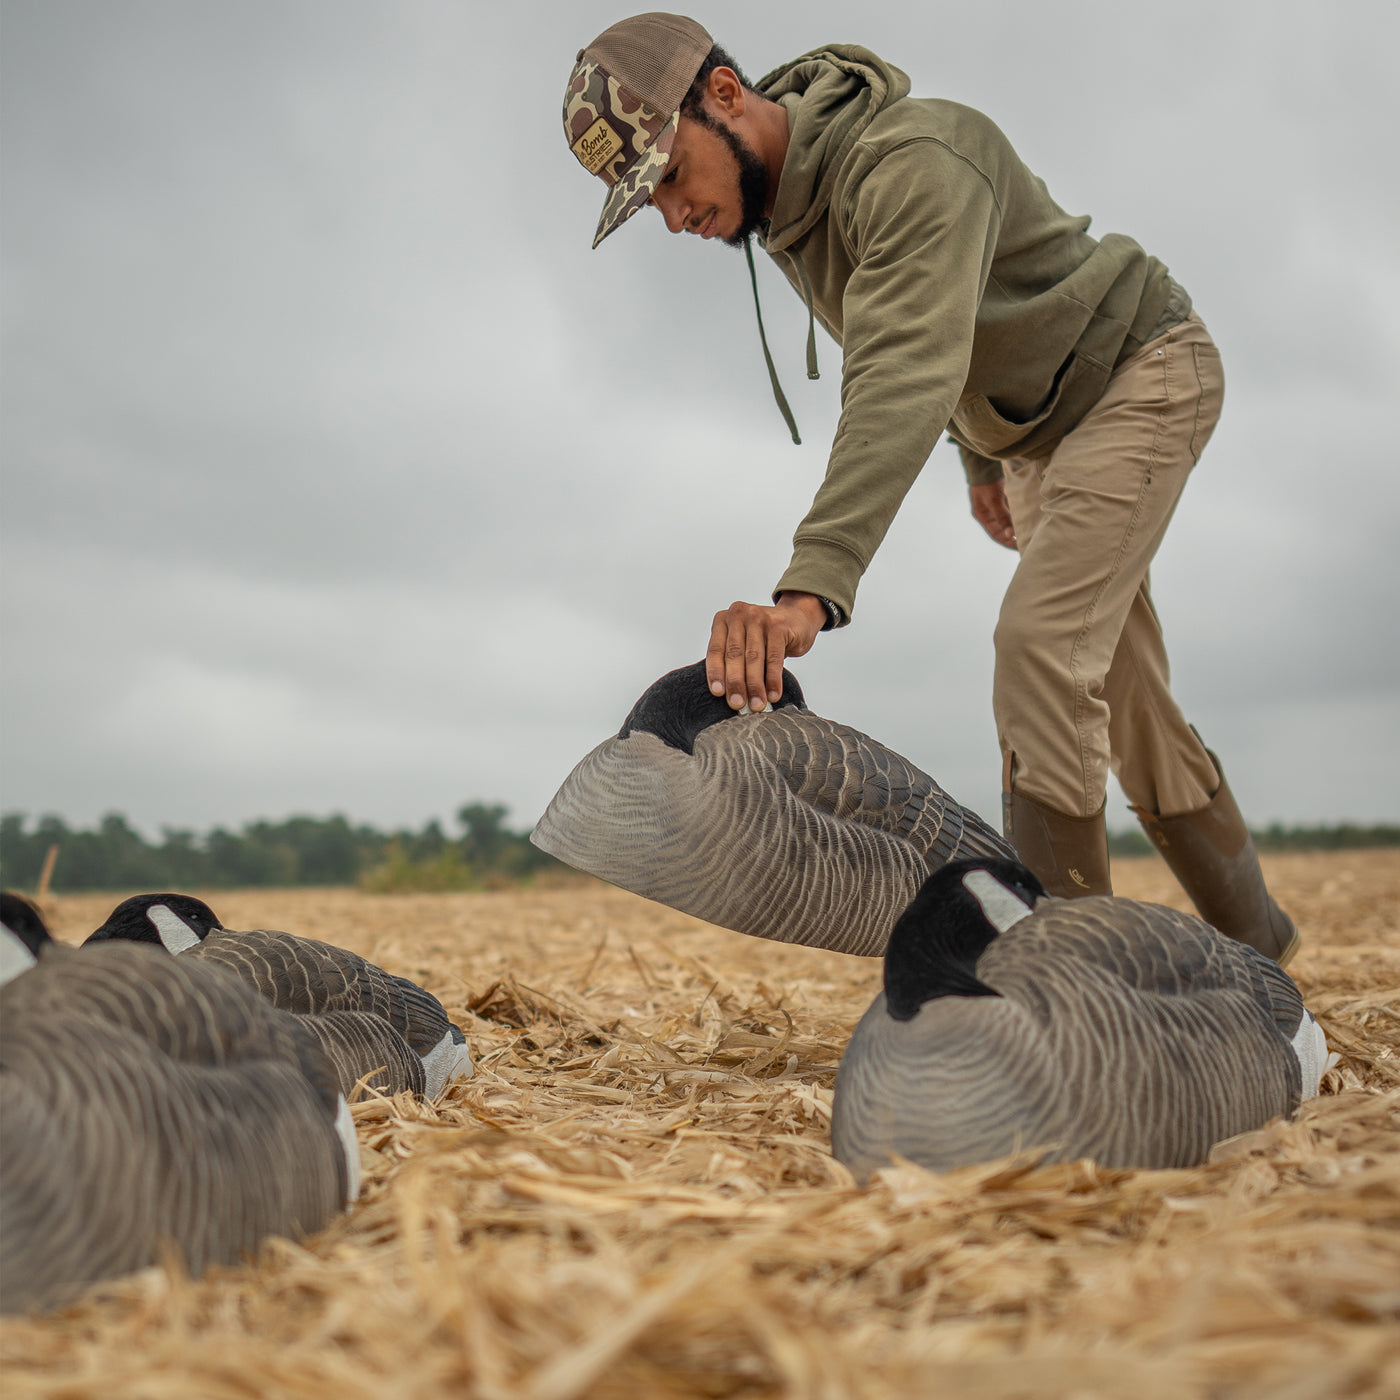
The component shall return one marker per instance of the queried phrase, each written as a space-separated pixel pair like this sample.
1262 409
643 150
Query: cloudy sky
340 474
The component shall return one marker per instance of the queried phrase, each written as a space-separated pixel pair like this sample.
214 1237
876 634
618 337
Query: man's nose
671 208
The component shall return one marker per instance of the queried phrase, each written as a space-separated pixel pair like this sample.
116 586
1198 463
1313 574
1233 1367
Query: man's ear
726 91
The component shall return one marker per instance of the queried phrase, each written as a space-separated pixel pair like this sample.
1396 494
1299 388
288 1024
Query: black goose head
24 921
678 706
174 921
934 947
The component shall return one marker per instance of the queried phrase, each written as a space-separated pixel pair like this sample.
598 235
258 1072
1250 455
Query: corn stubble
635 1196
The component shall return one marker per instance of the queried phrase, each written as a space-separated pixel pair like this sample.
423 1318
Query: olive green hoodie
963 297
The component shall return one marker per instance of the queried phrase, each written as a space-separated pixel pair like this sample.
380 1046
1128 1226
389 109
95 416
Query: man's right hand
750 641
991 511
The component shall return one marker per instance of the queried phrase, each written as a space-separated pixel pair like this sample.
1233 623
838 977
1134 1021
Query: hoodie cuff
980 470
827 571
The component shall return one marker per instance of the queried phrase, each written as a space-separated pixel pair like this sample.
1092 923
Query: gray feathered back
365 1018
362 1047
783 825
148 1102
306 976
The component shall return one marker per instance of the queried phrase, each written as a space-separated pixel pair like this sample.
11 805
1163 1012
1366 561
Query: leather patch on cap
597 146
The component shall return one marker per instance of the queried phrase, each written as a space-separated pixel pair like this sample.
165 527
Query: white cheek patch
175 934
446 1060
1002 908
14 956
1310 1046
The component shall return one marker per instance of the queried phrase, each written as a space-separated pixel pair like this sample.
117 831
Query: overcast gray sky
340 474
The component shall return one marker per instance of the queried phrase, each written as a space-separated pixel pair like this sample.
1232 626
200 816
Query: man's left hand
992 512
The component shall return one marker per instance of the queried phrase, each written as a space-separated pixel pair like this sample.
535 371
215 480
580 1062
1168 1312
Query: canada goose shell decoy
1100 1027
25 921
782 824
365 1018
150 1103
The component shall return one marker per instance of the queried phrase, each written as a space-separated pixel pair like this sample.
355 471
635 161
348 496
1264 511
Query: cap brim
639 182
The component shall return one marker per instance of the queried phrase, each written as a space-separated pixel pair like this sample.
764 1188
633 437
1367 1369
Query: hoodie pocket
987 431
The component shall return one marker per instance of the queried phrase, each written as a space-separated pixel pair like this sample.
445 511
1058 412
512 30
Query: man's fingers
715 653
738 626
990 510
748 644
777 654
750 656
999 528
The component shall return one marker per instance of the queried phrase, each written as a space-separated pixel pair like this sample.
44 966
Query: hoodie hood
830 95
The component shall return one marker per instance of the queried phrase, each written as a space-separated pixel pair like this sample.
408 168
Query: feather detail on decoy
783 824
370 1022
1105 1028
150 1104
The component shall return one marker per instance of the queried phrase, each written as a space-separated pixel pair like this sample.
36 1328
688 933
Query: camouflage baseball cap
622 106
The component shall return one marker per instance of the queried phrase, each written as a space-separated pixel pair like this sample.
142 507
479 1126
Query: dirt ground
634 1196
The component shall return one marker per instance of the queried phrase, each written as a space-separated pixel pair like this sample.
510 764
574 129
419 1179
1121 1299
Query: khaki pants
1082 681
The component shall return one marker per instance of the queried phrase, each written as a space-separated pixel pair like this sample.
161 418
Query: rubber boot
1211 853
1069 855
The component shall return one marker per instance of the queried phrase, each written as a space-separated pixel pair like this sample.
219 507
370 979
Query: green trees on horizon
298 851
1345 836
485 852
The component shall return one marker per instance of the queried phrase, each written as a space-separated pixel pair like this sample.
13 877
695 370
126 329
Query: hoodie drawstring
812 373
811 319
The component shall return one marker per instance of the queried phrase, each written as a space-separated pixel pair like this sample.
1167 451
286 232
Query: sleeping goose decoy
365 1018
24 920
782 824
150 1103
1101 1027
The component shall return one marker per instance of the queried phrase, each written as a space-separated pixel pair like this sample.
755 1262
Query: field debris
634 1195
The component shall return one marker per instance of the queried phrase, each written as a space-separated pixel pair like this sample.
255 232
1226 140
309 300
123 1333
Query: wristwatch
834 616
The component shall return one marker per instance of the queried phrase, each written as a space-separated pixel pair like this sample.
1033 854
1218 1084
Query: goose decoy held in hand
365 1018
781 824
1099 1027
150 1103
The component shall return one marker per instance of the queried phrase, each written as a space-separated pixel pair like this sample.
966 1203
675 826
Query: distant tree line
1345 837
484 852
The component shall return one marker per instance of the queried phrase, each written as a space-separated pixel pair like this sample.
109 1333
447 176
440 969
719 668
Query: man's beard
753 179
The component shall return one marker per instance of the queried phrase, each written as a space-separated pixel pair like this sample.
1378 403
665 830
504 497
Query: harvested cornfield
635 1198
